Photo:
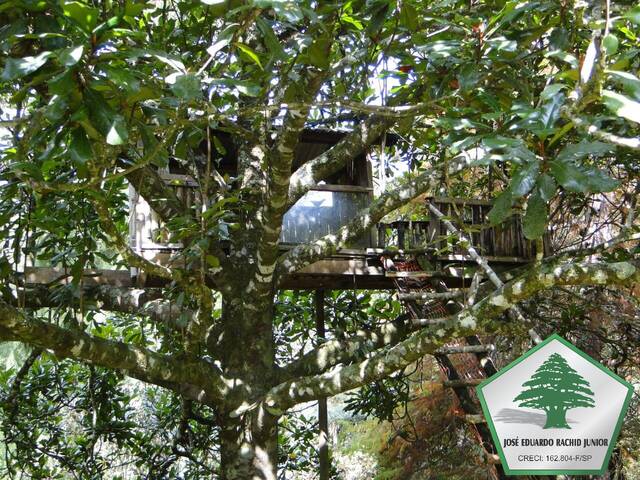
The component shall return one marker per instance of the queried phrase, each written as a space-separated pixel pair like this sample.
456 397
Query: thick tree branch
200 380
146 302
331 161
479 318
332 352
281 160
402 191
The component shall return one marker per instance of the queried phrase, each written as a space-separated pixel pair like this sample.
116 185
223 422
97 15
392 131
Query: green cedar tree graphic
555 387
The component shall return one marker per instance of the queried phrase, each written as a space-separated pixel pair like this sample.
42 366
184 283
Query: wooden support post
400 227
323 419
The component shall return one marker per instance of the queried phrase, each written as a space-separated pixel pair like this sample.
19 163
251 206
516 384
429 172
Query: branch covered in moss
332 352
331 161
143 302
484 316
198 379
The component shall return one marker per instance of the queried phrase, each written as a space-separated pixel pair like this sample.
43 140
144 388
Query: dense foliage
534 104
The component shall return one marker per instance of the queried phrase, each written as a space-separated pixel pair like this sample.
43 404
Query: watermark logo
555 410
556 388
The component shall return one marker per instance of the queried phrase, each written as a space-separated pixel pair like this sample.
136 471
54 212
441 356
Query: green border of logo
594 362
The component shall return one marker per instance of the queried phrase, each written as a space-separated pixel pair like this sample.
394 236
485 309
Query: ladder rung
466 349
463 382
474 418
420 274
431 295
425 322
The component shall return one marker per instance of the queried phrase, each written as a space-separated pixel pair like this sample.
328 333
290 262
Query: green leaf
580 150
501 208
581 179
621 105
217 46
409 17
317 53
630 82
105 120
509 149
117 134
56 108
80 150
244 87
633 15
549 113
551 91
535 218
565 57
524 179
213 262
249 53
546 186
19 67
610 44
569 176
286 9
187 87
468 77
70 56
84 16
63 83
123 78
150 143
170 60
599 181
271 41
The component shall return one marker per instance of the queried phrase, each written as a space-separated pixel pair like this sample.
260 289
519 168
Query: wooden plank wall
502 241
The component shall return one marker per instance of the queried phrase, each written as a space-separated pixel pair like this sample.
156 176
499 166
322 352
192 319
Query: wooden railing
323 210
503 241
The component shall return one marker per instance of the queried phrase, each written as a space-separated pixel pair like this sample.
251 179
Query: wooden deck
351 269
503 246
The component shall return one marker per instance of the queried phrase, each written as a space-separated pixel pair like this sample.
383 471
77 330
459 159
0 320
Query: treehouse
323 210
331 204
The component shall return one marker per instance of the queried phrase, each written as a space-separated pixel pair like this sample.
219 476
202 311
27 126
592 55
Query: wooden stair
428 302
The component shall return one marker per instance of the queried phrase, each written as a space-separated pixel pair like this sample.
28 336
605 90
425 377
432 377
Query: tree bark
249 440
249 447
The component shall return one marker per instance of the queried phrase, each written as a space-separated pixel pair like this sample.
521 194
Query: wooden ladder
440 302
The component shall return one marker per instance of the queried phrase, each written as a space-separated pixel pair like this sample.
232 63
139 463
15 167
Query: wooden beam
342 188
323 417
90 278
431 295
355 266
421 274
429 322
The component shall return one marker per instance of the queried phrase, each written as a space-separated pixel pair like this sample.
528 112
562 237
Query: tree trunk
245 345
557 418
249 447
